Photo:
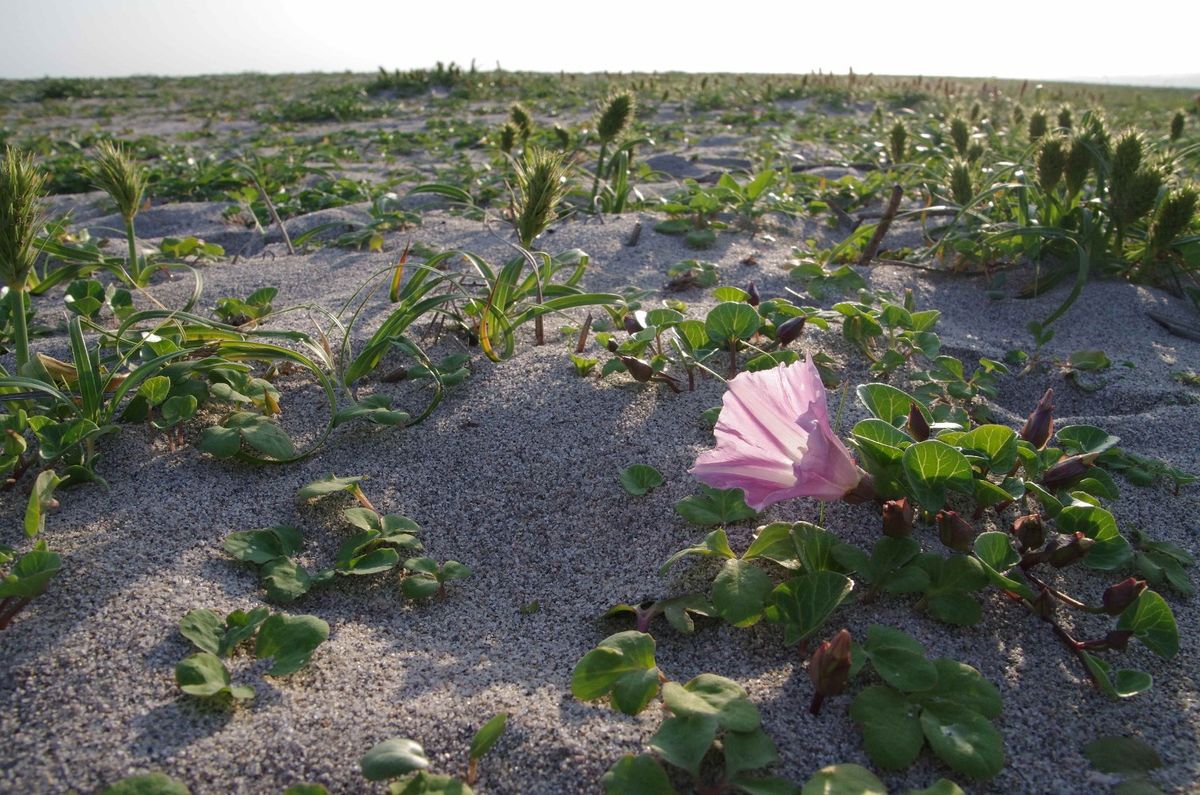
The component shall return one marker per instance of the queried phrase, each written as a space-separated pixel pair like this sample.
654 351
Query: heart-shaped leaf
803 604
639 479
1152 623
291 640
709 695
622 667
637 775
715 506
931 468
739 592
963 739
683 740
891 730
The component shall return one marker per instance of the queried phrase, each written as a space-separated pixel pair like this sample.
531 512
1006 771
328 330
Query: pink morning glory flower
774 441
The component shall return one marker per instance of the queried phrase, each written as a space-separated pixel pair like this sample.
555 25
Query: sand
515 475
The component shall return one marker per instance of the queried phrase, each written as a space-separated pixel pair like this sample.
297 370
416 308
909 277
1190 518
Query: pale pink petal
774 441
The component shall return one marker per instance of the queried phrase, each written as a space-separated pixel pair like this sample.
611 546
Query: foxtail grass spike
615 116
1037 125
1177 122
541 181
508 137
960 133
897 141
961 188
124 180
1051 162
521 120
22 186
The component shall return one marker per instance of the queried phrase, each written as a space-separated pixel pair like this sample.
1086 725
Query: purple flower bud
1030 531
632 326
753 298
790 330
1120 596
955 532
918 426
897 518
1068 471
1040 426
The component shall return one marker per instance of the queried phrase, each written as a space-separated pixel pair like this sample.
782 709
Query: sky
1010 38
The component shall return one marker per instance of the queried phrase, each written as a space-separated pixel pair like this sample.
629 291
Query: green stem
20 328
135 272
599 168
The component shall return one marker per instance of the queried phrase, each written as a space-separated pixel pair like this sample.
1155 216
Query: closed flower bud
829 666
790 330
897 518
1039 427
1068 471
640 370
1120 596
1068 549
1029 531
611 345
918 426
632 326
955 532
752 296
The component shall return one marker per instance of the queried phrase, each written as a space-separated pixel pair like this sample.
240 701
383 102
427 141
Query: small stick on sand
635 235
581 343
271 209
884 223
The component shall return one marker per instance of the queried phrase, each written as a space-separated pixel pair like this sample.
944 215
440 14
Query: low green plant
289 641
404 759
26 579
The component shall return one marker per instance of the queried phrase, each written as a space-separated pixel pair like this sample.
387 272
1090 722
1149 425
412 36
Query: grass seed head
22 186
541 181
116 173
616 115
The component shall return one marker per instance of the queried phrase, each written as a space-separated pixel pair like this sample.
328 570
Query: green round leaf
931 467
803 604
1153 624
891 731
899 659
888 403
709 695
393 758
202 674
638 479
291 640
1121 755
683 740
729 321
739 592
963 739
622 667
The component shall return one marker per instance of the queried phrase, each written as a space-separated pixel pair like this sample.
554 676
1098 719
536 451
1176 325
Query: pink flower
774 441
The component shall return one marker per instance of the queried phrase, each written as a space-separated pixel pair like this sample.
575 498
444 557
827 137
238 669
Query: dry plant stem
362 499
274 215
581 343
635 235
884 224
472 772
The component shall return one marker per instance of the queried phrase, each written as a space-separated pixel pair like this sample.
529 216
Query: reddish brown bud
752 296
1040 426
918 426
790 330
611 345
1030 531
1064 550
1120 596
897 518
1068 471
829 666
955 532
632 326
640 370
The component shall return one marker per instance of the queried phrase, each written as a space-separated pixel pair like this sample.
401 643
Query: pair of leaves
270 549
289 640
255 431
715 507
941 702
31 574
427 578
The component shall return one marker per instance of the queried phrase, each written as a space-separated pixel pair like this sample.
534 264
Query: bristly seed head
541 181
897 141
508 137
1173 217
1051 162
960 133
961 188
21 188
1177 122
521 120
116 173
1037 125
616 116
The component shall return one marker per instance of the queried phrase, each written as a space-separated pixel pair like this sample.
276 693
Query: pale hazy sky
1009 38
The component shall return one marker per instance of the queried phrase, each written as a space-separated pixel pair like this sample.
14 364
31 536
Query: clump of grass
116 173
615 115
22 186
